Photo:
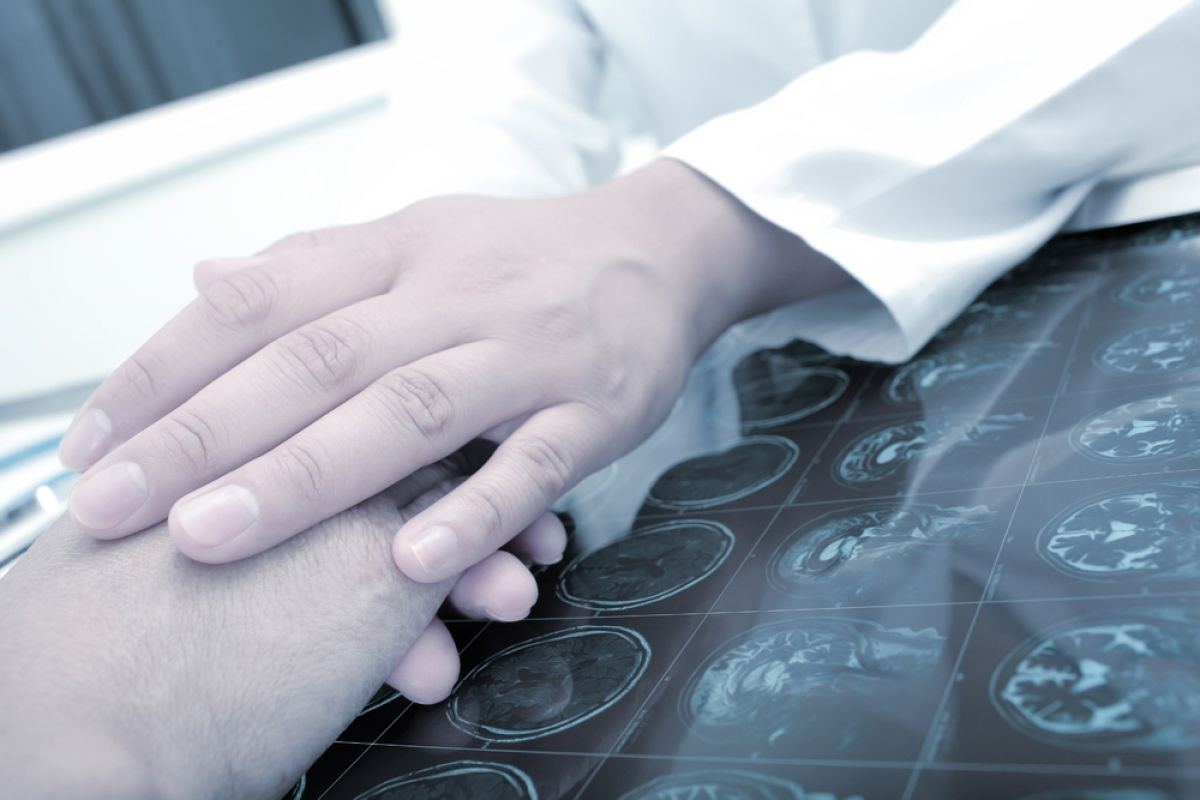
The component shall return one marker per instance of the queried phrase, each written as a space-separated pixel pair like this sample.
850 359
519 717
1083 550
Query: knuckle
544 462
241 300
325 354
139 376
300 240
417 401
487 506
193 437
305 466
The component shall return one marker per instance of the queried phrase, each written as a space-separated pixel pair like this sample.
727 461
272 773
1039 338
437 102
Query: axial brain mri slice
1149 532
712 480
773 686
789 396
1125 679
457 780
549 683
957 370
879 454
649 565
853 550
1003 308
1162 287
723 784
1159 428
1156 350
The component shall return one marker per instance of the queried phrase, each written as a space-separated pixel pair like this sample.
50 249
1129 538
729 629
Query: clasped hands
331 365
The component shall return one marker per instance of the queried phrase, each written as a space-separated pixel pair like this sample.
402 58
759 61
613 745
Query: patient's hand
127 669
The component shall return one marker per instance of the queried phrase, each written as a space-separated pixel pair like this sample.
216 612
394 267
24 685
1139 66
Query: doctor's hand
314 374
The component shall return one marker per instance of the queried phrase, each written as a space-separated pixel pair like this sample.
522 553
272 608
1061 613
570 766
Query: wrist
724 262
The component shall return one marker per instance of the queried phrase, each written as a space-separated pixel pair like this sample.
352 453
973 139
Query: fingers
500 587
410 417
429 668
254 407
543 542
528 472
242 308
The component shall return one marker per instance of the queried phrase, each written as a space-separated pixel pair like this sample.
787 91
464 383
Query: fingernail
109 497
483 612
546 562
218 516
435 548
86 440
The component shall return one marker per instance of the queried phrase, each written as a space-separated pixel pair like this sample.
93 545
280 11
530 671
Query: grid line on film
408 704
627 731
932 737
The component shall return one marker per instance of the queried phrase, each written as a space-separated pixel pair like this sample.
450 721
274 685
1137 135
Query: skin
128 670
311 376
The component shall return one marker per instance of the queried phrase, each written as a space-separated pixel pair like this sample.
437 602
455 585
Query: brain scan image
712 480
1150 532
1007 308
789 396
854 551
649 565
723 784
880 454
1163 287
1152 429
1126 679
549 684
775 686
457 780
1156 350
957 370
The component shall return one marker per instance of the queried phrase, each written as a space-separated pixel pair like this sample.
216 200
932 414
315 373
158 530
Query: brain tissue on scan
774 687
787 396
1148 532
724 784
1003 308
883 453
958 372
854 552
1124 679
712 480
649 565
1155 350
1162 288
457 780
1164 427
549 683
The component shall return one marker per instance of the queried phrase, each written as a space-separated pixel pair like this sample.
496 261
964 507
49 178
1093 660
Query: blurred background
139 136
136 138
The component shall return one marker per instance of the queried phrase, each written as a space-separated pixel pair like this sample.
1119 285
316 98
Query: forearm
126 668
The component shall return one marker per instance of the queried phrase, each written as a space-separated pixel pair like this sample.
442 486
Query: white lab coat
925 146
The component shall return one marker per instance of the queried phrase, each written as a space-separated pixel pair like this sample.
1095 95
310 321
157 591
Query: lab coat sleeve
494 98
927 172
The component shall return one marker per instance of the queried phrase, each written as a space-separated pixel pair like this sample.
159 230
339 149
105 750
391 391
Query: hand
128 671
313 375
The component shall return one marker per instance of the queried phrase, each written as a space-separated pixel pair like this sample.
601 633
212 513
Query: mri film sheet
975 575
